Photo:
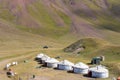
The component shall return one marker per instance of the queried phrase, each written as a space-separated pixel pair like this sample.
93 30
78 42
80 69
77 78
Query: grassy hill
88 48
95 47
88 44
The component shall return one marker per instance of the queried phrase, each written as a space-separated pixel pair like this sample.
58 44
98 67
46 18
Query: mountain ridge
51 18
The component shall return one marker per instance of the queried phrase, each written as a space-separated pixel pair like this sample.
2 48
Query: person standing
33 76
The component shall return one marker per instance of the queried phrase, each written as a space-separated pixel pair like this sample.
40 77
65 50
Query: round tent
52 63
99 72
44 58
65 65
80 68
39 56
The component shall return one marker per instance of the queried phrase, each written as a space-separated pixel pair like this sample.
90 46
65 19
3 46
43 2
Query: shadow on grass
39 62
89 64
44 65
56 68
86 75
70 71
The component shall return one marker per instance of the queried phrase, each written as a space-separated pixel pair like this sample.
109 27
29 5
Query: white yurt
7 66
44 58
99 72
39 56
80 68
65 65
14 63
52 62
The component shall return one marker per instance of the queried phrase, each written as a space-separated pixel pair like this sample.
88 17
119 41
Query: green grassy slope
94 48
89 44
56 17
33 24
103 10
45 16
48 25
35 18
13 38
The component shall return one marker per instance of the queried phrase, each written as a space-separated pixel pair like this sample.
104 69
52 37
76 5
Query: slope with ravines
57 18
33 16
101 13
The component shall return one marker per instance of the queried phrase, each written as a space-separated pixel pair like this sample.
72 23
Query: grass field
26 70
26 26
18 46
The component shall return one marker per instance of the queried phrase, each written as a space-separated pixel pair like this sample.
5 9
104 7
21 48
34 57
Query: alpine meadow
65 30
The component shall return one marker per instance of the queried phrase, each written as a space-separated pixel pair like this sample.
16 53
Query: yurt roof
66 62
52 60
40 55
45 57
81 65
99 69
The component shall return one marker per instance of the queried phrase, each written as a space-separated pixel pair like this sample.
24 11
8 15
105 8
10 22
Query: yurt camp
65 65
52 63
80 68
44 58
99 72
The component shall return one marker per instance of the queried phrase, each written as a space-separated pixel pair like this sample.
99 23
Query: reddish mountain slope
61 16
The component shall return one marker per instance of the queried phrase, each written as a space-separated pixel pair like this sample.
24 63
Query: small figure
33 76
10 73
45 47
